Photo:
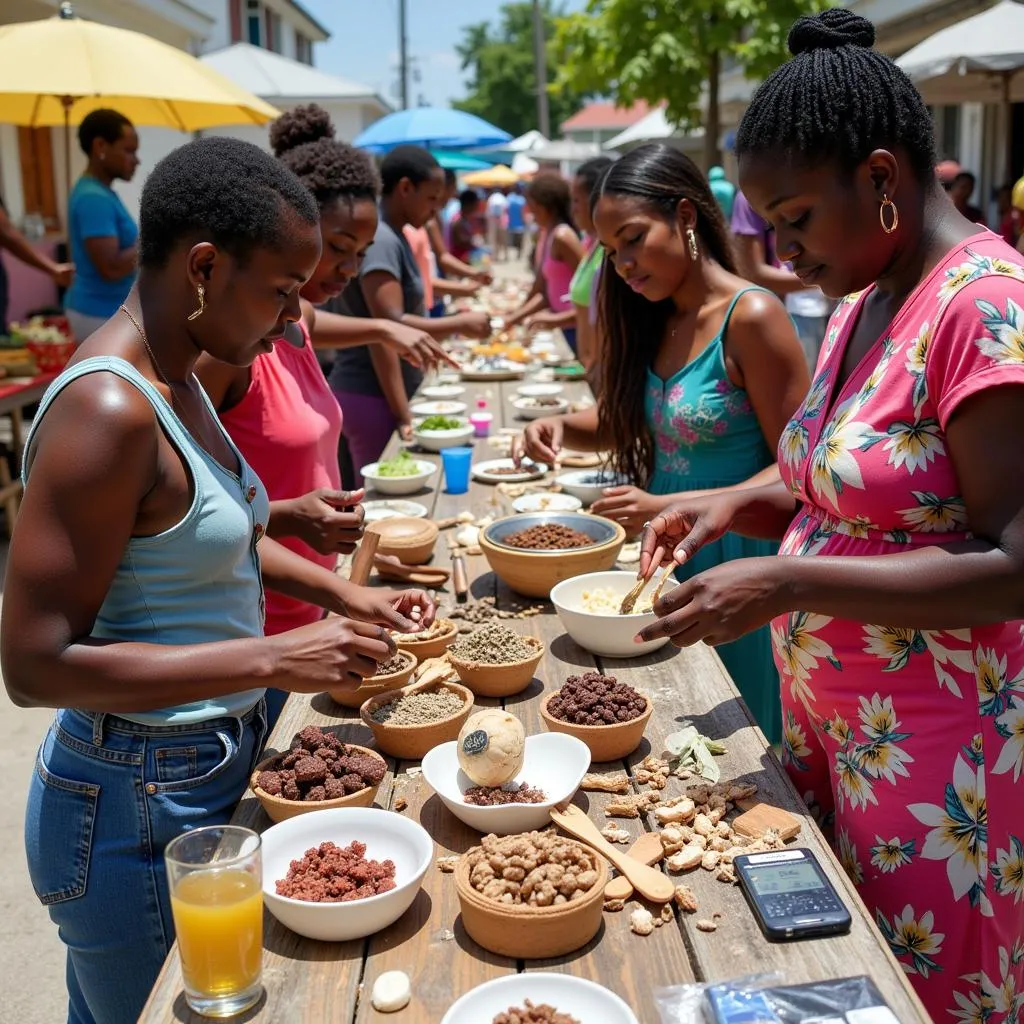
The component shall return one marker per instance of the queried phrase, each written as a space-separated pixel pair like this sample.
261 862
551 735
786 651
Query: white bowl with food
535 407
589 484
553 763
374 511
539 390
442 391
581 1000
588 606
438 432
386 836
439 407
402 474
545 502
505 471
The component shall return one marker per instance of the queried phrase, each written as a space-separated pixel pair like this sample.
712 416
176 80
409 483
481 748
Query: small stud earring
691 241
196 314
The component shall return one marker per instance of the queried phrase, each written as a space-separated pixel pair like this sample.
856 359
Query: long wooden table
311 982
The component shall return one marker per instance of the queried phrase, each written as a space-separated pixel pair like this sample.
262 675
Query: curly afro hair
103 124
221 190
303 139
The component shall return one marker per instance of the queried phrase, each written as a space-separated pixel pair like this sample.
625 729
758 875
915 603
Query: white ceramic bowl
443 391
436 440
374 511
585 1000
553 762
398 484
387 835
547 503
539 390
440 407
526 409
579 483
607 633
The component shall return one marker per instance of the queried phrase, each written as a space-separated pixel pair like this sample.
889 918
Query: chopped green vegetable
440 423
403 464
692 751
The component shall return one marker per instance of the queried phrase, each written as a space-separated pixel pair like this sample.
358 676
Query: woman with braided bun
897 600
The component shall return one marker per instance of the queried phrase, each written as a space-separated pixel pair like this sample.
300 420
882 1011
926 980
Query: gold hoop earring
196 314
887 203
691 241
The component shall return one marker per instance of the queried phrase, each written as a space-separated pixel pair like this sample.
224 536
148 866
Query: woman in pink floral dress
897 598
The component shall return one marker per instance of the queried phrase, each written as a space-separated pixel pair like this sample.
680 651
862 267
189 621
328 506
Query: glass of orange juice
216 884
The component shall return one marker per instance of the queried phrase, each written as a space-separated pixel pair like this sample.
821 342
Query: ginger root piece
614 834
595 782
641 921
681 810
685 899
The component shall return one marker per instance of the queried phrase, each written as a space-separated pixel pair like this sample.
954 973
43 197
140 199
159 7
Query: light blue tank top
198 581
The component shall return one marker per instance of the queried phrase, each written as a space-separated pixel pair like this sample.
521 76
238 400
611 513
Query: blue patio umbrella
453 160
436 127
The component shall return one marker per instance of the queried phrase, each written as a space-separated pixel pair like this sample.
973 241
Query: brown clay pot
411 742
373 685
489 680
432 648
606 742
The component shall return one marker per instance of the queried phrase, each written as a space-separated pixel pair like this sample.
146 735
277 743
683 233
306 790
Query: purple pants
368 424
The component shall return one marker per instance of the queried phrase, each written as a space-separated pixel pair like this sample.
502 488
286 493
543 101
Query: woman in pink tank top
549 200
281 413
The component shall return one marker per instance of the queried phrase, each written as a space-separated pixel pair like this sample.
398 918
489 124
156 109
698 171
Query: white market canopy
980 59
525 143
567 150
650 127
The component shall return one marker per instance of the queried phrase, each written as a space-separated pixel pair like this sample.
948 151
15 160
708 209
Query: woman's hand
474 325
629 506
682 529
722 604
328 521
405 432
406 611
414 346
332 652
544 321
541 441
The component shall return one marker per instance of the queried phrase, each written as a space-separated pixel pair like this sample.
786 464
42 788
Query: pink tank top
287 427
557 278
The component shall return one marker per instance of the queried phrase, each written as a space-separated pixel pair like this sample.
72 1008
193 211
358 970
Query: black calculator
790 895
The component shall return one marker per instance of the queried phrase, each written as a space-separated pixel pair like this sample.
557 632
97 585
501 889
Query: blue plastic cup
457 462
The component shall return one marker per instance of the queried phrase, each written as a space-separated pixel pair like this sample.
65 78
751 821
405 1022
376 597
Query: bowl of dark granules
533 551
391 675
609 716
495 661
408 722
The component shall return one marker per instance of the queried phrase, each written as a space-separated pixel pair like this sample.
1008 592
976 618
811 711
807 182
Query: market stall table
315 983
16 394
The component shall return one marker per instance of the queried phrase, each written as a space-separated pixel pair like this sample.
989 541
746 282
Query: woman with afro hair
897 602
280 411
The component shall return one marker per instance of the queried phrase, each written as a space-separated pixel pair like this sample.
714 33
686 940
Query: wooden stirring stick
362 562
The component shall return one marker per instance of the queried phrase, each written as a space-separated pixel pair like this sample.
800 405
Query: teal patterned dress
707 435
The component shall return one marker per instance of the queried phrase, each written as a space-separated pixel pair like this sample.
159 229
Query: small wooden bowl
530 933
490 680
410 540
606 742
280 809
411 742
373 685
432 648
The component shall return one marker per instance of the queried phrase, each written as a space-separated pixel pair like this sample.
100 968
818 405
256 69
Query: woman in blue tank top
699 374
134 597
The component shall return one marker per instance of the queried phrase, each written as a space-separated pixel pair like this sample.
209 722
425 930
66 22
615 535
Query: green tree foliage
674 51
499 58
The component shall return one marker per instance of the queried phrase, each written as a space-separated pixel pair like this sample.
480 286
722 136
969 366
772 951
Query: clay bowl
373 685
432 648
410 540
530 933
489 680
535 572
279 809
606 742
411 742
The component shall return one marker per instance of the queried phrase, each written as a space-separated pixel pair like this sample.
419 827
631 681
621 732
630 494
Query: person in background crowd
22 249
946 172
496 208
1008 217
372 385
961 192
723 190
560 250
896 609
134 597
699 372
102 235
279 411
516 219
451 204
465 226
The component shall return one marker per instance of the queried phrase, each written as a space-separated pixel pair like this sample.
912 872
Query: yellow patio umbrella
498 176
56 71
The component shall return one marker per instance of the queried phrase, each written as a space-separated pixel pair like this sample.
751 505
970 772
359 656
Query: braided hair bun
829 30
298 126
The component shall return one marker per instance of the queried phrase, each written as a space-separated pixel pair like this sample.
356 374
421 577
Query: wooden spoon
648 849
648 881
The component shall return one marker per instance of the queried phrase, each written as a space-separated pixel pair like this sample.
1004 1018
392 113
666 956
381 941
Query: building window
303 49
255 22
274 32
37 177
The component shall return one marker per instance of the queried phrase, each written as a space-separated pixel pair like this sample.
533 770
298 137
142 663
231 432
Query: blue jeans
106 798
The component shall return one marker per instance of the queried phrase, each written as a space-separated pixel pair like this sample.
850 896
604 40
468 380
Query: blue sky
364 42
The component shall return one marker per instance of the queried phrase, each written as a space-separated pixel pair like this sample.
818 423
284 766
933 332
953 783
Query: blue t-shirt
516 202
96 211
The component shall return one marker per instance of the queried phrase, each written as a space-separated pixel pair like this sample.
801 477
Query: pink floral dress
913 739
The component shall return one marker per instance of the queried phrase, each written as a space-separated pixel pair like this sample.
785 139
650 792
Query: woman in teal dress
700 372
